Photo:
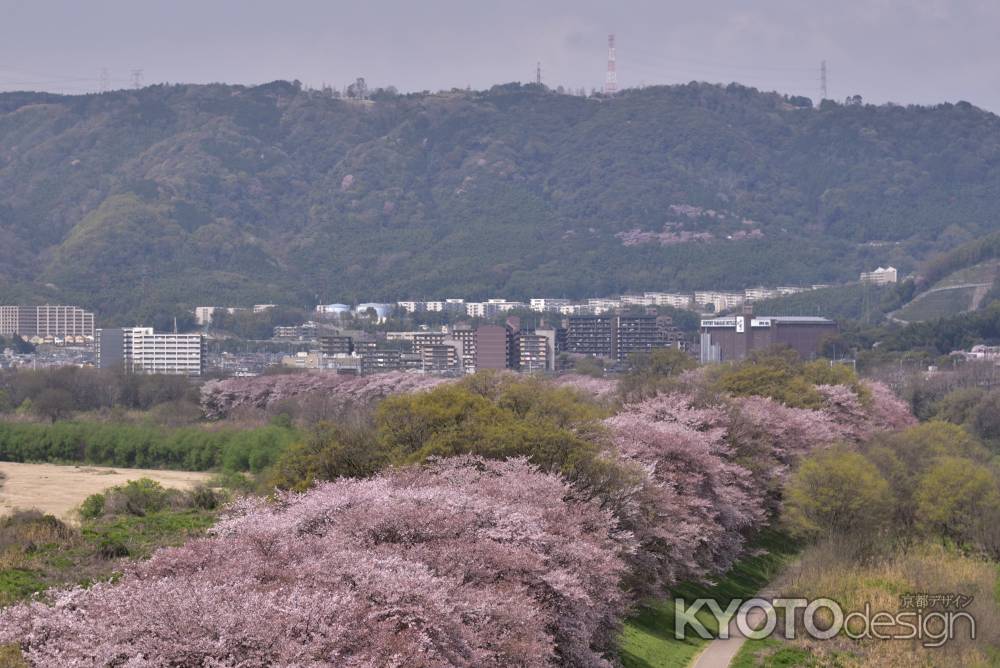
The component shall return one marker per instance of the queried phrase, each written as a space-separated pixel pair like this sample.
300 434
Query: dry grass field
58 490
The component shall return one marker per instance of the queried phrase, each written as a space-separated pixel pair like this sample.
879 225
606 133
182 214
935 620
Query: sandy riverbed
60 489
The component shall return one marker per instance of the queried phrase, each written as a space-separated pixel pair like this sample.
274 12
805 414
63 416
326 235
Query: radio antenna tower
822 80
611 79
538 72
105 80
137 78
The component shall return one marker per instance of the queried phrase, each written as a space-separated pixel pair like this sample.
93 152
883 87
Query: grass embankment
145 446
880 582
131 521
648 637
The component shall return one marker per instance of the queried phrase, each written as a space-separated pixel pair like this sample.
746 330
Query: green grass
940 304
984 272
40 552
771 653
648 640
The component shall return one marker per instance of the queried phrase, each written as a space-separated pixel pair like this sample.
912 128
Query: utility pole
105 80
611 78
538 73
137 78
822 80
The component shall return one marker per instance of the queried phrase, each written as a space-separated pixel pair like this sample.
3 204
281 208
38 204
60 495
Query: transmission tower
538 73
137 78
611 78
822 80
105 80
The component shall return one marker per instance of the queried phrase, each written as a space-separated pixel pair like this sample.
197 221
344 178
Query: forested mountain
144 202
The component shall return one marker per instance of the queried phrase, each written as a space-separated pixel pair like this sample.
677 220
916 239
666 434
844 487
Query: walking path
720 652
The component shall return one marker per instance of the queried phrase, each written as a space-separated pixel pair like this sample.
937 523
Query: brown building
733 338
492 347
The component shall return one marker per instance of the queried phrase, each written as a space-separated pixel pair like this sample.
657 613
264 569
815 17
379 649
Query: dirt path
60 489
720 653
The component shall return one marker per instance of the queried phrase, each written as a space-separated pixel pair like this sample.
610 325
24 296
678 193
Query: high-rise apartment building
613 336
46 321
141 350
591 335
492 347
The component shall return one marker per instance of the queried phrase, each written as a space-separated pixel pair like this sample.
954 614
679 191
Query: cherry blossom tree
220 398
462 562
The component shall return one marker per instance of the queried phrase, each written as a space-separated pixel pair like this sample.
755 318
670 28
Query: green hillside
143 203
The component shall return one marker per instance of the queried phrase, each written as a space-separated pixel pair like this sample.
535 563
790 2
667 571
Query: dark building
492 347
336 345
636 334
613 336
591 335
733 338
379 361
111 349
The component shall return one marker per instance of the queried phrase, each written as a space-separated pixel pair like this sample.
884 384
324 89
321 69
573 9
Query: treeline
966 255
144 446
56 393
947 334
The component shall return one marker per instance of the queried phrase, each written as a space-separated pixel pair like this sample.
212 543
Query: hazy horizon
887 51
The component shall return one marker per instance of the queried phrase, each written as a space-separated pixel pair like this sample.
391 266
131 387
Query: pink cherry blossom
463 562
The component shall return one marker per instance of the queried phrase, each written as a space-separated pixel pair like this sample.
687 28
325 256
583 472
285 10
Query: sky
922 51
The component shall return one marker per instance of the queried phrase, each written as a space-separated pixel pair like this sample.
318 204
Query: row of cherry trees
460 561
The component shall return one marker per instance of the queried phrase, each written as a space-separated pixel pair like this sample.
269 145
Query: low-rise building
720 301
733 338
545 304
380 360
880 276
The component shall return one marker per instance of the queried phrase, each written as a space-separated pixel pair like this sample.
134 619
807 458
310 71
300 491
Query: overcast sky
920 51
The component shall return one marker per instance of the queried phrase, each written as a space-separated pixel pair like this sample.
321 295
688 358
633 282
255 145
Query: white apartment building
141 350
759 293
413 307
638 300
449 305
880 276
674 299
544 304
720 300
603 305
203 314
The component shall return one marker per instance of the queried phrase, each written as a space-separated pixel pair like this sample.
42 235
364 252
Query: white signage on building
741 325
760 322
719 322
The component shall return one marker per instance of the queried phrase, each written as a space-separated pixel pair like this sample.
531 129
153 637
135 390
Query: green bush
92 507
145 446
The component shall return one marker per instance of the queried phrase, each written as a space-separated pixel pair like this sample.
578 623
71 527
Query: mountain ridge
147 202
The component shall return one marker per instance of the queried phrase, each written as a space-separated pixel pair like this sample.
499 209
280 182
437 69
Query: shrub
93 506
837 492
